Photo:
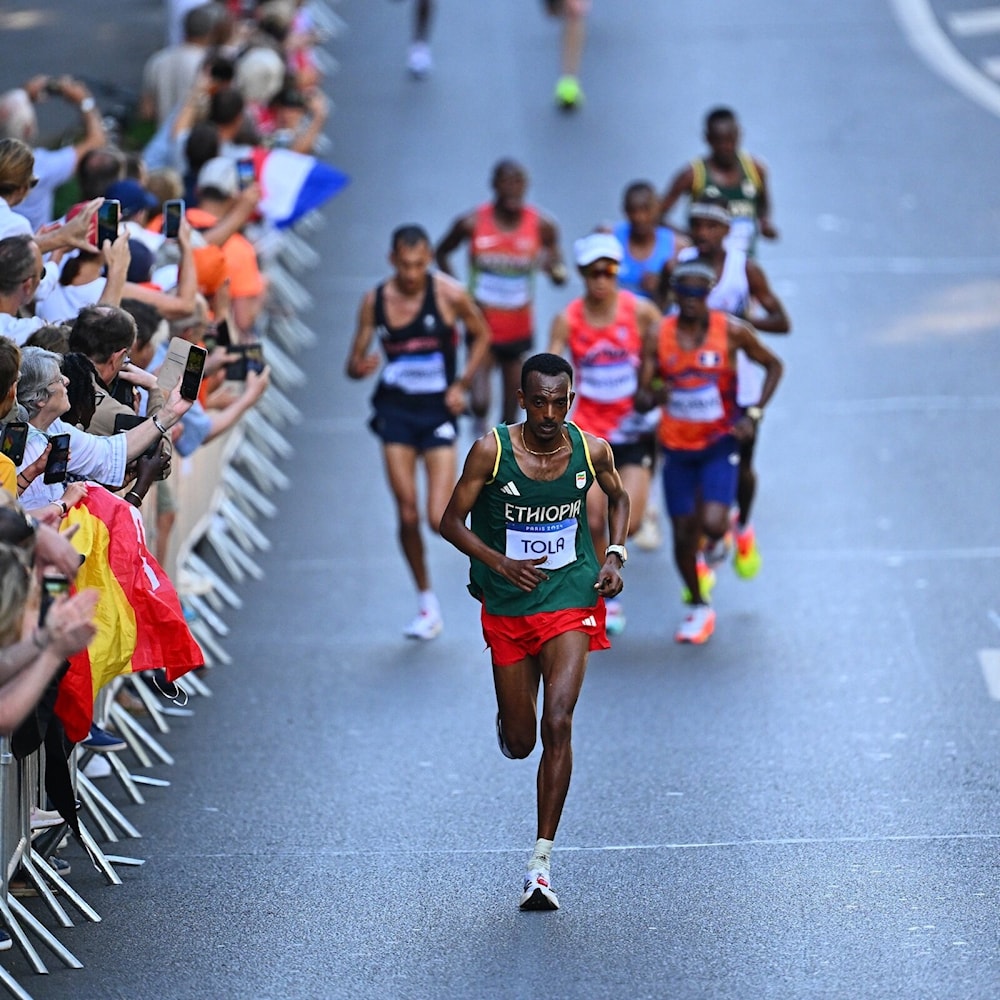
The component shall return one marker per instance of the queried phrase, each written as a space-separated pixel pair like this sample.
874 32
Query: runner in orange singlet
604 333
694 353
508 242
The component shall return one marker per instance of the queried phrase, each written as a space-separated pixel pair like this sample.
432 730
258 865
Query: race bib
416 374
608 383
502 291
557 542
697 406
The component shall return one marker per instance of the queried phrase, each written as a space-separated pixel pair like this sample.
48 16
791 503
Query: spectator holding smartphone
42 390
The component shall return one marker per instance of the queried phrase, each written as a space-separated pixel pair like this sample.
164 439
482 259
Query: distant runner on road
418 396
509 242
732 174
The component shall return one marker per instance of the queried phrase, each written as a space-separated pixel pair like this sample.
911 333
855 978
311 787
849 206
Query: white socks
429 604
541 856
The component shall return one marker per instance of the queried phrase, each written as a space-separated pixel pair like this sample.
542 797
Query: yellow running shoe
746 555
706 581
569 94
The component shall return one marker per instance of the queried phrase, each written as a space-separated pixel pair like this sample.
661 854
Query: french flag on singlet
293 184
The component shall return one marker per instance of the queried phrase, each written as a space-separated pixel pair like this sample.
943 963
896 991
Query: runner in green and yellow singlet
541 585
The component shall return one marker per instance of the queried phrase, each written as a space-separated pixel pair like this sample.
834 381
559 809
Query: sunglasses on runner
691 291
607 271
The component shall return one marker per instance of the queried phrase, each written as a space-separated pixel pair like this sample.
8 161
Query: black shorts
641 453
512 350
434 427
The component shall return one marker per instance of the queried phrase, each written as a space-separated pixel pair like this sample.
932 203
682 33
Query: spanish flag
140 623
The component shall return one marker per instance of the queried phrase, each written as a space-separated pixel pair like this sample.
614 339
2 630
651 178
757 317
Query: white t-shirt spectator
63 303
53 167
12 223
90 457
17 329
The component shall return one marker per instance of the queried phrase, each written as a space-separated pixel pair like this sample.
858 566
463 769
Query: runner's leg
517 698
441 467
401 472
564 663
510 369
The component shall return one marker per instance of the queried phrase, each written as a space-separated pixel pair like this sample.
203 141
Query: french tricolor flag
293 184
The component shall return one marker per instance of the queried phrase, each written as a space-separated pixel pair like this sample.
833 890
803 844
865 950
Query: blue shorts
709 476
434 427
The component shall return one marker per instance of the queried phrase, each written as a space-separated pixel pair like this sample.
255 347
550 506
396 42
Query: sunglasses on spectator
606 271
691 291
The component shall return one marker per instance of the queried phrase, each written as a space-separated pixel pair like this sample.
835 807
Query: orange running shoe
698 625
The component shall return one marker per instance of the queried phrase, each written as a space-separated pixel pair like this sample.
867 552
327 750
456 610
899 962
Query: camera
53 86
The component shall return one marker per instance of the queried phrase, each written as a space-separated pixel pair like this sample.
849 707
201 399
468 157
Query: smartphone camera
56 465
193 370
244 173
15 437
173 212
108 217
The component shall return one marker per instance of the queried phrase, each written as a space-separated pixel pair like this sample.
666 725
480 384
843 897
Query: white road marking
903 838
985 21
989 663
929 40
992 66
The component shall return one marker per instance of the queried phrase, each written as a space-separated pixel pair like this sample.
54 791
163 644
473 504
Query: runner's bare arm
558 335
649 394
679 186
609 581
553 264
764 223
464 309
478 469
648 317
361 364
776 319
461 230
743 338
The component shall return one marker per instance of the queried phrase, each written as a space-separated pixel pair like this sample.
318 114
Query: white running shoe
649 537
424 626
419 61
501 742
538 894
698 625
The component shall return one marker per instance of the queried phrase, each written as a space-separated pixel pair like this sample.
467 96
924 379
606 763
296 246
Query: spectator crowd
99 298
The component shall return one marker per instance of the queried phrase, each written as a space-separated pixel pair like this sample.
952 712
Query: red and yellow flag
140 623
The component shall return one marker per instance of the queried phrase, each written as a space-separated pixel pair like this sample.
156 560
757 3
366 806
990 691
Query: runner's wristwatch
618 550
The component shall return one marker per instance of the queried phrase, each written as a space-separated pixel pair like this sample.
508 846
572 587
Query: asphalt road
806 806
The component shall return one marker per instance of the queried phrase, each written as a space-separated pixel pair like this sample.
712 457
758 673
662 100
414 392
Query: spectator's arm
74 234
319 111
222 420
180 303
236 218
94 136
117 257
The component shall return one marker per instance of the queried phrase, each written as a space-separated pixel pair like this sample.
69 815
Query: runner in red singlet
604 331
509 241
